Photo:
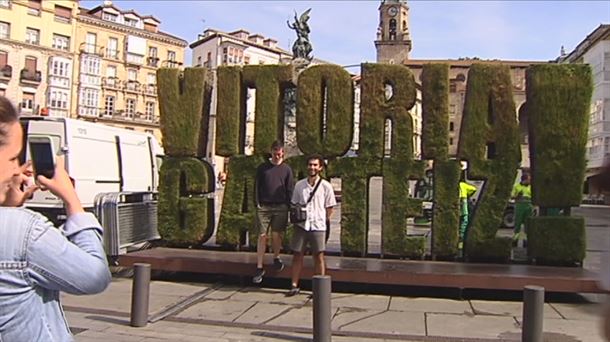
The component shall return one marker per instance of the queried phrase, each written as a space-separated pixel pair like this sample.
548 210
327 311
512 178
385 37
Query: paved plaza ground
215 311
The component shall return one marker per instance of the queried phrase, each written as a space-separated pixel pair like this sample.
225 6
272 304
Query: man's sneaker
278 265
258 277
294 290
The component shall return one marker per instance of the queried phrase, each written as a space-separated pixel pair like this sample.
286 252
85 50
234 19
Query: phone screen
42 157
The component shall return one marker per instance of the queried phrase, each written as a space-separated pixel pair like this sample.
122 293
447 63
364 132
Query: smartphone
43 156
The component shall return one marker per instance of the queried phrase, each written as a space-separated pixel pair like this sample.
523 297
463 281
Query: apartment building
214 48
595 51
118 54
36 55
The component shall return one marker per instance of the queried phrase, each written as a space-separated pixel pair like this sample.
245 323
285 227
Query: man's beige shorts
272 218
301 237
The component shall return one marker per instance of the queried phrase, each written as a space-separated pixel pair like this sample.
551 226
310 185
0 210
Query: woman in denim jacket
38 260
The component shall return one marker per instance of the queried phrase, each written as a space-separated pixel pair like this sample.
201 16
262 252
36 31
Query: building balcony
170 64
125 116
131 86
111 83
30 76
92 49
152 62
131 58
6 72
149 89
113 54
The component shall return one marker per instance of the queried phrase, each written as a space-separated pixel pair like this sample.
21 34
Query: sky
343 32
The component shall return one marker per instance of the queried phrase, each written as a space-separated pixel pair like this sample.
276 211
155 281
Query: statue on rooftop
301 49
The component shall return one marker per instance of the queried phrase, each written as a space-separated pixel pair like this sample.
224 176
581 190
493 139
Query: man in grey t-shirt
313 229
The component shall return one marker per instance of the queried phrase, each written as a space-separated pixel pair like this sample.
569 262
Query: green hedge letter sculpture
186 215
558 100
489 141
435 115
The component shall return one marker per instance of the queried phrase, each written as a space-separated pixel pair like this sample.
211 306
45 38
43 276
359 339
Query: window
151 79
30 64
5 3
112 48
109 106
27 102
61 42
34 7
90 42
131 22
150 111
451 141
60 68
3 58
32 36
58 100
152 56
110 17
198 61
2 92
171 55
132 74
451 128
111 71
63 14
90 65
130 107
5 30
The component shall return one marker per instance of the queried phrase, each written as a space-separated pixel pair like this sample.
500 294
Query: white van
99 158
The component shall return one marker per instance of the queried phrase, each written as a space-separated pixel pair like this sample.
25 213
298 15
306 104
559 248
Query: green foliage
557 240
446 215
182 110
397 205
186 216
558 100
490 250
435 136
238 208
230 111
298 164
270 82
489 141
375 110
314 83
435 111
355 174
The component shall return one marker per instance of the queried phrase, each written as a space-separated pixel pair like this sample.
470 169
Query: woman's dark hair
8 115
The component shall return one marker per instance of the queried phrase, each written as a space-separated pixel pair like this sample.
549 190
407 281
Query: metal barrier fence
128 218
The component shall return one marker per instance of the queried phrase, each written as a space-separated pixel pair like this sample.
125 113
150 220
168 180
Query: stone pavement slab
503 308
263 295
301 317
452 325
117 296
262 312
584 312
371 302
391 322
430 305
572 330
217 310
346 316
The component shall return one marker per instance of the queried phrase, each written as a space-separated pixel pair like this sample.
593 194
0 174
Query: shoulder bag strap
314 191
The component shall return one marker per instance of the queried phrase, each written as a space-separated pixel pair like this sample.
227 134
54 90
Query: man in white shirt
319 209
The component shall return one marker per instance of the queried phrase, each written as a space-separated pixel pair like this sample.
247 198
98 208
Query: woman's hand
21 188
61 186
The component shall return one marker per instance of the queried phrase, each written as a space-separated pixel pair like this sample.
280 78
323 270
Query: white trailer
100 159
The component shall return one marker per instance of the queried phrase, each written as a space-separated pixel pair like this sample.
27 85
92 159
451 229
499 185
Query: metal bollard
140 291
533 313
321 309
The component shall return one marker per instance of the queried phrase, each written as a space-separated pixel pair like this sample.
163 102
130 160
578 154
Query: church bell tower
393 41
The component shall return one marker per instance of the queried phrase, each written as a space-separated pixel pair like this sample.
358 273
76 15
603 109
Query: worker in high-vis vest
466 191
522 194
